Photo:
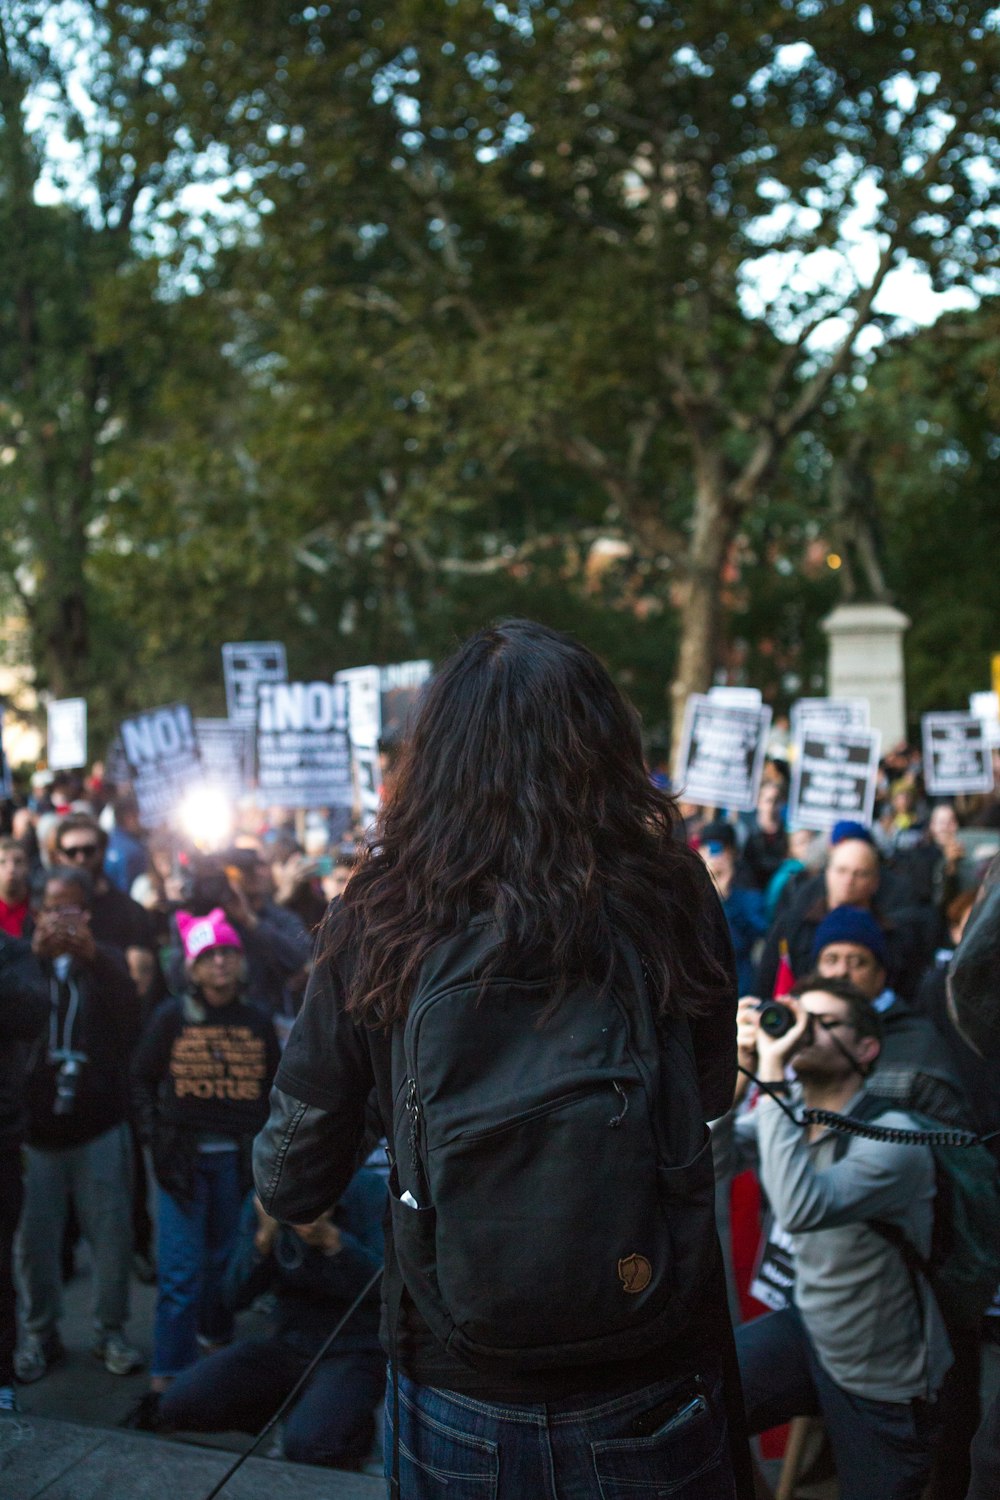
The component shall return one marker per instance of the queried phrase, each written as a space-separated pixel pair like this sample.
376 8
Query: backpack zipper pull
413 1110
616 1120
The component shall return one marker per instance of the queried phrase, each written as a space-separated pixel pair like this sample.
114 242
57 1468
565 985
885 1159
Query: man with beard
862 1343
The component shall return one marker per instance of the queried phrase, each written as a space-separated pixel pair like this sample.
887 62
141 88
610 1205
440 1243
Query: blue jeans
239 1389
193 1244
665 1439
883 1450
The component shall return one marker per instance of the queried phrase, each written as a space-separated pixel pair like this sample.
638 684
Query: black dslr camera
774 1018
69 1065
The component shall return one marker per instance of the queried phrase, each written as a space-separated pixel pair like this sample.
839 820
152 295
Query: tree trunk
700 611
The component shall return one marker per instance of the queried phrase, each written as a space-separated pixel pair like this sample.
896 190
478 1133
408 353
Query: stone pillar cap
860 619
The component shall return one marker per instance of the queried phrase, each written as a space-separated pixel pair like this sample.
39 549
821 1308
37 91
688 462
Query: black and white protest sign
303 748
834 775
244 665
364 712
401 686
66 745
161 749
722 753
957 754
226 751
829 714
774 1274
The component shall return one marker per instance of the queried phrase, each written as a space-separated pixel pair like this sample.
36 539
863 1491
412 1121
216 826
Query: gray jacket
874 1334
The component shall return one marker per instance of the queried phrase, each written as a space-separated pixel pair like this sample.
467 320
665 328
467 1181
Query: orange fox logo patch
636 1273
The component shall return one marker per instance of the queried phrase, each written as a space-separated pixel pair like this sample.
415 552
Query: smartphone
683 1405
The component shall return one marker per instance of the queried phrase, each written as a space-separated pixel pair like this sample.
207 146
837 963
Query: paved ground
46 1460
65 1462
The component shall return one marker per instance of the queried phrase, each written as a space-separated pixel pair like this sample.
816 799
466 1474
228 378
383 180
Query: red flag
784 979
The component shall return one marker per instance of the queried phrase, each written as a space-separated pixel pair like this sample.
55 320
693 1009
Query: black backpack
963 1268
552 1196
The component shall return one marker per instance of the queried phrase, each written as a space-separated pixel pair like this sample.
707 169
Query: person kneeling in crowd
863 1344
201 1077
315 1272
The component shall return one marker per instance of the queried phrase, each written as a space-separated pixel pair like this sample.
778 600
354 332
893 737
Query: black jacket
305 1156
24 1010
94 1012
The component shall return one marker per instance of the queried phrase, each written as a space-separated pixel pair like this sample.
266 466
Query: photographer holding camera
77 1137
862 1343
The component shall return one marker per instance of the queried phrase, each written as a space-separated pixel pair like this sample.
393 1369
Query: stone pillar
866 661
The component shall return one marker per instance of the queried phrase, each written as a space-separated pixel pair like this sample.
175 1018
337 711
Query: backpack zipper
525 1115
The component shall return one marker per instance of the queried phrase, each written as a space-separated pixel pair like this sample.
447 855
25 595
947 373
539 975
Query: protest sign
303 748
244 665
829 714
834 776
226 755
737 697
364 705
774 1274
66 745
957 754
722 753
986 707
364 713
6 780
161 751
401 686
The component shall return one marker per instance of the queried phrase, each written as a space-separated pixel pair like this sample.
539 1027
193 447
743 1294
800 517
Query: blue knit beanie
850 924
847 829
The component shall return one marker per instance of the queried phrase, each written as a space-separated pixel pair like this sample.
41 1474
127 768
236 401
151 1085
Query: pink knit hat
198 934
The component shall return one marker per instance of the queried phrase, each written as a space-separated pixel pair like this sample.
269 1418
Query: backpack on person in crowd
552 1186
963 1267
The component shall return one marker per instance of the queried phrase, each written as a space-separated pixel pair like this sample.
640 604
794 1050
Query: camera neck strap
60 989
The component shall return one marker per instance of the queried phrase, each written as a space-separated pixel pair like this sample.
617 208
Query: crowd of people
853 932
149 989
146 990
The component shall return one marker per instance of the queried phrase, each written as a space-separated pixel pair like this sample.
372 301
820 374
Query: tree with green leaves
637 249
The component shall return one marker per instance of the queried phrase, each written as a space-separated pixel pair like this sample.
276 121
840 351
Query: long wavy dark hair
521 793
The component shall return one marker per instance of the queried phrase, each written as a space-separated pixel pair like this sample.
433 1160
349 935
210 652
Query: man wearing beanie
912 1072
202 1073
853 877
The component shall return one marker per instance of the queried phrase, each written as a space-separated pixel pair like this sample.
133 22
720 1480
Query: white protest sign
986 708
830 713
834 777
67 734
774 1274
226 755
244 665
303 749
722 753
364 704
364 713
737 697
401 686
957 754
161 749
6 780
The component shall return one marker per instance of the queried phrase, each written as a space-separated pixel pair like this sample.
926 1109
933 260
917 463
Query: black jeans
240 1388
883 1450
11 1199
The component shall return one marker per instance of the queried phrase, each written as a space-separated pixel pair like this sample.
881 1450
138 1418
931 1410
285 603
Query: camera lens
776 1019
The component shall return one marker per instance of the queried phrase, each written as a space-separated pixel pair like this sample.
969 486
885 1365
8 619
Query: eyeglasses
78 851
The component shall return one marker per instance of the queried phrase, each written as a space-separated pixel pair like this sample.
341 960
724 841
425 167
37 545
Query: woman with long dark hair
533 974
